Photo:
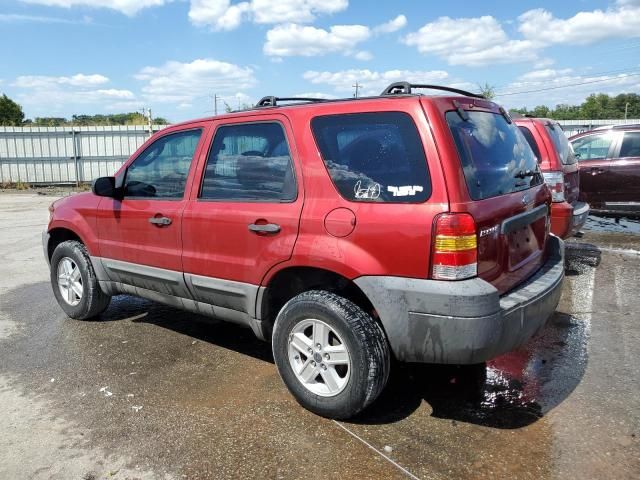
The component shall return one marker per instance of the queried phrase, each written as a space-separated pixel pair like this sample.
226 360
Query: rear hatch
501 187
567 162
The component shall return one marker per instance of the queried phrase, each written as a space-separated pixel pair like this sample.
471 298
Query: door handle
160 221
266 228
596 170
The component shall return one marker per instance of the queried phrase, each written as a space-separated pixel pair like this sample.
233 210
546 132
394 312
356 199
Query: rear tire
359 369
74 282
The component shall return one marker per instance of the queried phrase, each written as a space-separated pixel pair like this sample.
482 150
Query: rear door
244 214
594 153
503 189
624 170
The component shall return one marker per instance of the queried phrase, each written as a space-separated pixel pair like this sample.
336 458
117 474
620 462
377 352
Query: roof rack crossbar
272 101
400 88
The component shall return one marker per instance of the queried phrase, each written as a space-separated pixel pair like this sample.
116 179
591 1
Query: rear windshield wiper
524 174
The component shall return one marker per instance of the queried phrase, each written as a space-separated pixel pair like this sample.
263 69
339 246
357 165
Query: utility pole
626 109
357 86
150 119
215 103
146 112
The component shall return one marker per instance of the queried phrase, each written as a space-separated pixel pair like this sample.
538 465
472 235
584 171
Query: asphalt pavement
151 392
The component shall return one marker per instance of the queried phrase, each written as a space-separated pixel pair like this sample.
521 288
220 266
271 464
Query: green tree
541 111
487 91
11 113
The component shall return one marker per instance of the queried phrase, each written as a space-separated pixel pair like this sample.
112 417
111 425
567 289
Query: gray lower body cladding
464 322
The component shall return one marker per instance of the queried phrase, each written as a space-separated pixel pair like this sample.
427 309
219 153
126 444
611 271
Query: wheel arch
291 281
60 234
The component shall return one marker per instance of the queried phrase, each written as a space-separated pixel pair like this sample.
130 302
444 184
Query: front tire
74 282
332 356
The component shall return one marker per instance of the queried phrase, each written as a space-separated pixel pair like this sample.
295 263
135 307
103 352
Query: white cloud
18 18
583 28
224 15
391 26
297 40
469 41
46 95
363 55
180 82
373 82
78 80
539 87
483 41
128 7
320 95
115 93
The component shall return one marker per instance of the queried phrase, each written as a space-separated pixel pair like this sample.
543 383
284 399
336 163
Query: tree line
11 114
598 106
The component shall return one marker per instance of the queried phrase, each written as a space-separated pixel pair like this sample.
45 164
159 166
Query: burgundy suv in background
609 159
560 169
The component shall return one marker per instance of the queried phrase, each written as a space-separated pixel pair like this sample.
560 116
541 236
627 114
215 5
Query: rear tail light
555 181
455 247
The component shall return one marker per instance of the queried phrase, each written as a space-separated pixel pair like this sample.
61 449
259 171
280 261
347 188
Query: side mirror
105 187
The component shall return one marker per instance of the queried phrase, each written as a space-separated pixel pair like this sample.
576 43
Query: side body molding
218 298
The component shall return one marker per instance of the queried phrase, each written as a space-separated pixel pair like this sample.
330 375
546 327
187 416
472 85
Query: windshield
495 156
561 144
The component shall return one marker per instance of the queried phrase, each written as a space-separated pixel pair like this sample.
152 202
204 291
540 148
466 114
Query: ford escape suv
560 170
343 232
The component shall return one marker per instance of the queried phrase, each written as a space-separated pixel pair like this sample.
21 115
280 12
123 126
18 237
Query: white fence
571 127
58 155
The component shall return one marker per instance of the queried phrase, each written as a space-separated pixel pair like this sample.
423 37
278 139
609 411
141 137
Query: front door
140 235
244 218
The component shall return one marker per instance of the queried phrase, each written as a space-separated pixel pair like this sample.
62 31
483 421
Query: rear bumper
567 219
468 321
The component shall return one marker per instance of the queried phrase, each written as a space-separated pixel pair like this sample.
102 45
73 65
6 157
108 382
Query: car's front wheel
332 355
74 282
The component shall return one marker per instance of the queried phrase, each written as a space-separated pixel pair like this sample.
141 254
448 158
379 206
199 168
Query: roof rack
400 88
272 101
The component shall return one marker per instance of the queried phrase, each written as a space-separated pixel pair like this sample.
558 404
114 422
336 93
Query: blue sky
61 57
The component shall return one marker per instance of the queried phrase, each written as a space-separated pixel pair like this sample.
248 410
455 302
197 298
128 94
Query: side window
161 170
374 157
630 145
592 146
249 162
531 141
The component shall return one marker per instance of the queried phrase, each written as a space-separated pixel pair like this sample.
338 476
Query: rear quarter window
561 143
374 157
495 156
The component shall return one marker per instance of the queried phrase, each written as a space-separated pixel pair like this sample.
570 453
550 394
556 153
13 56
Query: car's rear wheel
332 356
74 282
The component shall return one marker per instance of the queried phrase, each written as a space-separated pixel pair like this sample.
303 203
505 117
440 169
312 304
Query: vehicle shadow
580 256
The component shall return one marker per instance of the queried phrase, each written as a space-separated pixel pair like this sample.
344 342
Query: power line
590 74
568 85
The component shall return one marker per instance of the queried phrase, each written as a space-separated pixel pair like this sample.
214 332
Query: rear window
561 144
496 158
531 141
374 157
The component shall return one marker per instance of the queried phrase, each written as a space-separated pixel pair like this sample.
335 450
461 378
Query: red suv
343 232
560 169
